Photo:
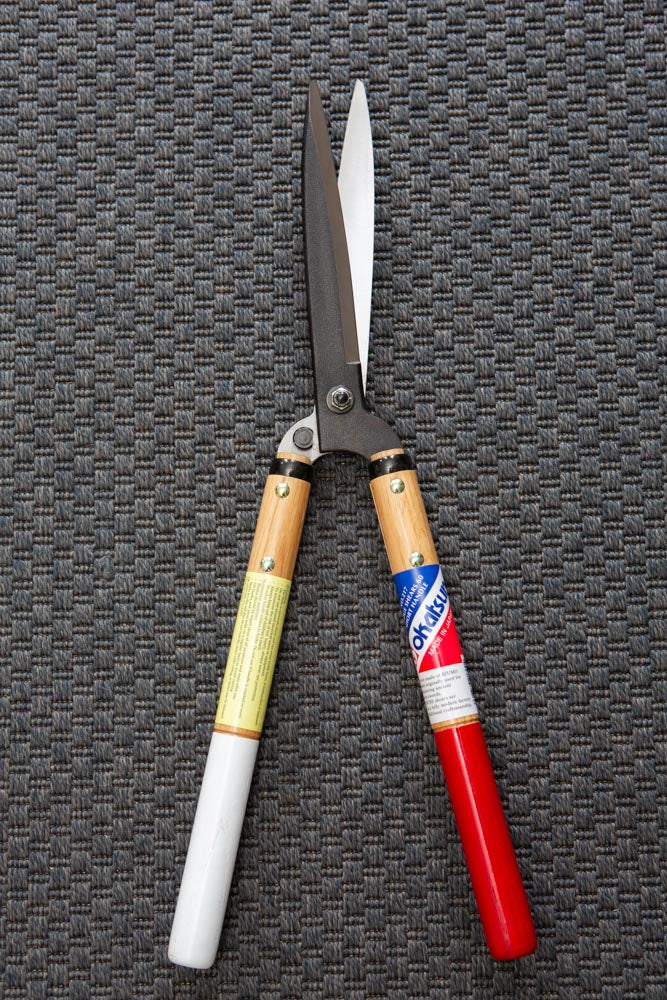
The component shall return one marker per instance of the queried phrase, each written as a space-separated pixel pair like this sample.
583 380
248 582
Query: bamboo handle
216 831
494 873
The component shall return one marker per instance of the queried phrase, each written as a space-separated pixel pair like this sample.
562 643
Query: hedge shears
338 219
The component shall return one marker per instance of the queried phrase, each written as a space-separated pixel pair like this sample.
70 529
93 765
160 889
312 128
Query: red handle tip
494 873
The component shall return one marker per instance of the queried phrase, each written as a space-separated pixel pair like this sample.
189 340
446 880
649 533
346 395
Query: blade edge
356 187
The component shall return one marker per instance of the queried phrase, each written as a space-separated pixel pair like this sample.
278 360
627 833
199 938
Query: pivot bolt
267 564
396 485
416 559
340 399
282 490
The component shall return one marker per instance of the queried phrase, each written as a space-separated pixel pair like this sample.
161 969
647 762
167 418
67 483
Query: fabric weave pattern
154 349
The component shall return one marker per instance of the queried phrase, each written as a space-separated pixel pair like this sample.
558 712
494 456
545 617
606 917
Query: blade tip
314 92
359 92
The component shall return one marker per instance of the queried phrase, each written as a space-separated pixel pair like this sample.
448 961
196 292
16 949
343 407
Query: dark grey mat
154 348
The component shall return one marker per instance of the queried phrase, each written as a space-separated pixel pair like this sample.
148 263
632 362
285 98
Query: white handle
214 841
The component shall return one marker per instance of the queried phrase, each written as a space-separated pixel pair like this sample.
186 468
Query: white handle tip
193 959
209 866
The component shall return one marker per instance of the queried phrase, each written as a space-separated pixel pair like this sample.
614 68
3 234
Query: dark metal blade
329 279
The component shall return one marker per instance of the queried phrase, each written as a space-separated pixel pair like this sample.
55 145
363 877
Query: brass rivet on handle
282 490
396 485
416 559
267 564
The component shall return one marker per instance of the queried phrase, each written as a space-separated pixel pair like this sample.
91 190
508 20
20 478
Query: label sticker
252 655
435 646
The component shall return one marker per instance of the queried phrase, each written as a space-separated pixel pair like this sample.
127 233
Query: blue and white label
424 603
435 646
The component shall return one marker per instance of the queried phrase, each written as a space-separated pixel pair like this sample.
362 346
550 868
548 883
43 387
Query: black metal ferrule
390 463
290 467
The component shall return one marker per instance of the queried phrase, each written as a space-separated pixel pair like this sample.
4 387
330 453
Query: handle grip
494 873
216 832
214 841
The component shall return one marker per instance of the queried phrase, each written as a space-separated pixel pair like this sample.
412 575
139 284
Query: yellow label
252 655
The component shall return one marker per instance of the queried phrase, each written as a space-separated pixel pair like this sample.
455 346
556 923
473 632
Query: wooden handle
405 529
259 620
281 516
435 645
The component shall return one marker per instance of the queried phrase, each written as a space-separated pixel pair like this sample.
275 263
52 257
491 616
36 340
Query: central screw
340 399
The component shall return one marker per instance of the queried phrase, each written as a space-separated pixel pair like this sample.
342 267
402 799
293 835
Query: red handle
451 708
496 880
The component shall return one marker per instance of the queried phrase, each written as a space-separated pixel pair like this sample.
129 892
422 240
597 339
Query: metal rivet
267 564
396 485
340 399
282 490
303 438
416 559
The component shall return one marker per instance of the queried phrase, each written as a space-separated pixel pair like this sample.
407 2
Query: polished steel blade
357 198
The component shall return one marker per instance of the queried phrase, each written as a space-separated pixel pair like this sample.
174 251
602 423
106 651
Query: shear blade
330 292
356 187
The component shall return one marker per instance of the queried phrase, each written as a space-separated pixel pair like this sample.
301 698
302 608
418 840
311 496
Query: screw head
340 399
282 490
303 438
267 564
396 485
416 559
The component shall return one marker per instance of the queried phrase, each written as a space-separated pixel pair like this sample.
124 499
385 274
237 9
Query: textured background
154 349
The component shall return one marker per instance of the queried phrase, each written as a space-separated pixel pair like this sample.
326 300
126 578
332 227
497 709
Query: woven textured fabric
154 349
